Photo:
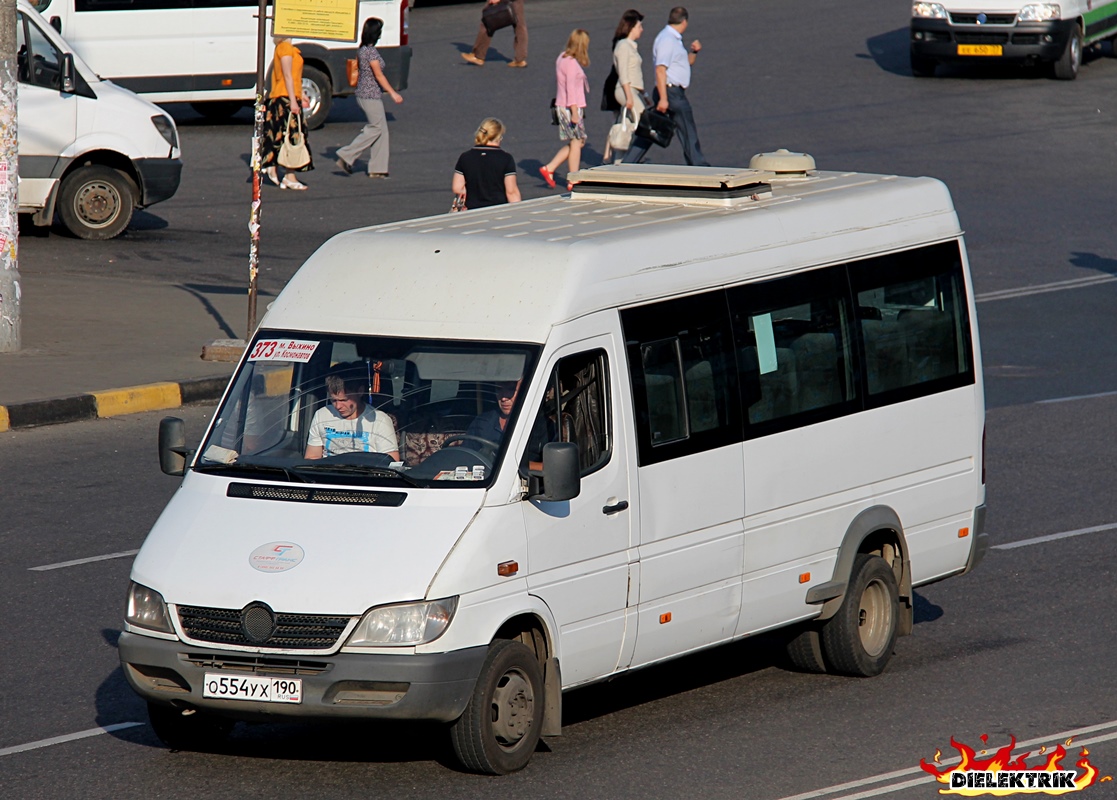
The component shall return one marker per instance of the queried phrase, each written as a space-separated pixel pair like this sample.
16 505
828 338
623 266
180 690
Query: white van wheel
1066 68
500 727
96 202
858 640
318 90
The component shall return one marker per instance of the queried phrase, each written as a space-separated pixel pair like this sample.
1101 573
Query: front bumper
938 39
344 686
159 179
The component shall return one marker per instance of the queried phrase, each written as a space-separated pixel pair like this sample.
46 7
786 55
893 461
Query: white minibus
204 51
88 149
472 461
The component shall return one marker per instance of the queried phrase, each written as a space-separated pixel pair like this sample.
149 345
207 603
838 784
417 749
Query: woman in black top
485 175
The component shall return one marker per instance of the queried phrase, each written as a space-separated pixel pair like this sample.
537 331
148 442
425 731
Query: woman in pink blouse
570 100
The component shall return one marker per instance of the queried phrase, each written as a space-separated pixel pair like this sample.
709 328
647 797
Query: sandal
269 173
548 176
292 183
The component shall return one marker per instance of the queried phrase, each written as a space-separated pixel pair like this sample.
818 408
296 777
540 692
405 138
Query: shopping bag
352 71
620 135
293 153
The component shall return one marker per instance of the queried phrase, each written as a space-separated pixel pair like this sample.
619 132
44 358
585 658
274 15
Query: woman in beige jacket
629 65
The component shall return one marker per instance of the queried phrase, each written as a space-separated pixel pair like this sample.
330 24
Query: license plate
980 50
261 690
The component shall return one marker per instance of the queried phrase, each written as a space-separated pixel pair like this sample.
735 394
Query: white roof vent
666 183
784 163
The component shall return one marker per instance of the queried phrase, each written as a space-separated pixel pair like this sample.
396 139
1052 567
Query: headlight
932 10
146 609
407 624
166 129
1040 12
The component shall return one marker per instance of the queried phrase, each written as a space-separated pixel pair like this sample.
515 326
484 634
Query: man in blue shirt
672 78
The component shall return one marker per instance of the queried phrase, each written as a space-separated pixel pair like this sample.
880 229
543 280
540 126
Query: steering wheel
488 443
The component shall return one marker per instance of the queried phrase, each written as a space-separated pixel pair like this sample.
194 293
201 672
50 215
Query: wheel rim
97 204
313 96
874 618
513 708
1075 53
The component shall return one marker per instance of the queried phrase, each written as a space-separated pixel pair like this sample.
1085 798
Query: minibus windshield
328 408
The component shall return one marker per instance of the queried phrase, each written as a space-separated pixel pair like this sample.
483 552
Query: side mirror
68 84
172 446
56 22
561 473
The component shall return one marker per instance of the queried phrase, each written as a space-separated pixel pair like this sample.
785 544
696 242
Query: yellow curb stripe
135 399
5 420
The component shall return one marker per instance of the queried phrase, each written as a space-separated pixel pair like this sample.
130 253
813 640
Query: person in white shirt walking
673 62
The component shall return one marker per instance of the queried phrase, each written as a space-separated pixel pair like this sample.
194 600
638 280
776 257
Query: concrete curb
112 402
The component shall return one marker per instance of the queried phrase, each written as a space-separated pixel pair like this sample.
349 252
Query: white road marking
77 561
1053 536
70 737
1075 397
1054 738
1043 288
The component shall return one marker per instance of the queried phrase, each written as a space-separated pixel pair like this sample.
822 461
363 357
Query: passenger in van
284 109
349 425
490 425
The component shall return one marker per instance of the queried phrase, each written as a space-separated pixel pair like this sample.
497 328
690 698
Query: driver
490 425
349 425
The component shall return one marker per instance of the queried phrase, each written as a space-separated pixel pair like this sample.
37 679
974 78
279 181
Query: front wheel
1066 68
96 202
500 727
858 640
319 92
922 67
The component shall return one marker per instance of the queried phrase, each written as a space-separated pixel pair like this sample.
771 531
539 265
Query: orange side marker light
664 618
507 569
804 577
963 533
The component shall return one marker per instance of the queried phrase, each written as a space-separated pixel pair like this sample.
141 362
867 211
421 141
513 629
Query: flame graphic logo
1000 775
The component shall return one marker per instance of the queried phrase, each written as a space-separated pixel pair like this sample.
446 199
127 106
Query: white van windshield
323 408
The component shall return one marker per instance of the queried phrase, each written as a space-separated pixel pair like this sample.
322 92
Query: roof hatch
672 183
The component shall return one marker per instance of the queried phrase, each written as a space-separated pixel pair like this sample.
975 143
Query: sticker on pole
283 350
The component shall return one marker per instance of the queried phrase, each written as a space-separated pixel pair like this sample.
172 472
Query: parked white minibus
88 149
472 461
204 51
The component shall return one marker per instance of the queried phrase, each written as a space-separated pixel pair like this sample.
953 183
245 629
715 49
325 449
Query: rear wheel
500 727
858 640
319 92
96 202
1066 68
191 731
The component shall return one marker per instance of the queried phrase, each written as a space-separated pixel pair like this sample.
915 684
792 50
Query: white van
1009 30
568 438
88 149
204 51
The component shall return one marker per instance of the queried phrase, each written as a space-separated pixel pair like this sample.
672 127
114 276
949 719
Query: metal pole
257 136
9 183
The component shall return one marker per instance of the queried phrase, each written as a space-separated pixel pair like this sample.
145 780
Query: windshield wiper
358 469
266 469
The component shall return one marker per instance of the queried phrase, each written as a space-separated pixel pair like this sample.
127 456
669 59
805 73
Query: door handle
613 509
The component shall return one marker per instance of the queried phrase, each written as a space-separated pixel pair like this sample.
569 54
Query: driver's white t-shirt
369 432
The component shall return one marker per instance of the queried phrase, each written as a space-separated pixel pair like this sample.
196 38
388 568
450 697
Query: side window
575 409
795 350
38 62
914 324
684 380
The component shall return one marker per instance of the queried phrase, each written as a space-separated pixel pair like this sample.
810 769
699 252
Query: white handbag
620 135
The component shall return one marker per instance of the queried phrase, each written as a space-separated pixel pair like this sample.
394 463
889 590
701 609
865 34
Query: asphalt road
1022 647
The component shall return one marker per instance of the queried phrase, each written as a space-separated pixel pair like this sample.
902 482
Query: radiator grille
307 494
292 631
990 19
256 665
981 38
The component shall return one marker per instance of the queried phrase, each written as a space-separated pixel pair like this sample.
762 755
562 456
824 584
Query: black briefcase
497 16
657 126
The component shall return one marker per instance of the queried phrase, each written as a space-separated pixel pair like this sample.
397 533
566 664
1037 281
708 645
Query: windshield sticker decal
276 557
283 350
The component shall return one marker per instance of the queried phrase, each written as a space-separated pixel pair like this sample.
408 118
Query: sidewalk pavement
95 346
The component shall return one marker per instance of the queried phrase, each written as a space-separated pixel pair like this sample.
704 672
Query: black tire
320 92
858 640
500 727
96 202
922 67
804 649
1113 47
1066 68
197 731
218 109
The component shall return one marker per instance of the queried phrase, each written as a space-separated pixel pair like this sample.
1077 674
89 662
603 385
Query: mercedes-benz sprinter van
473 461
